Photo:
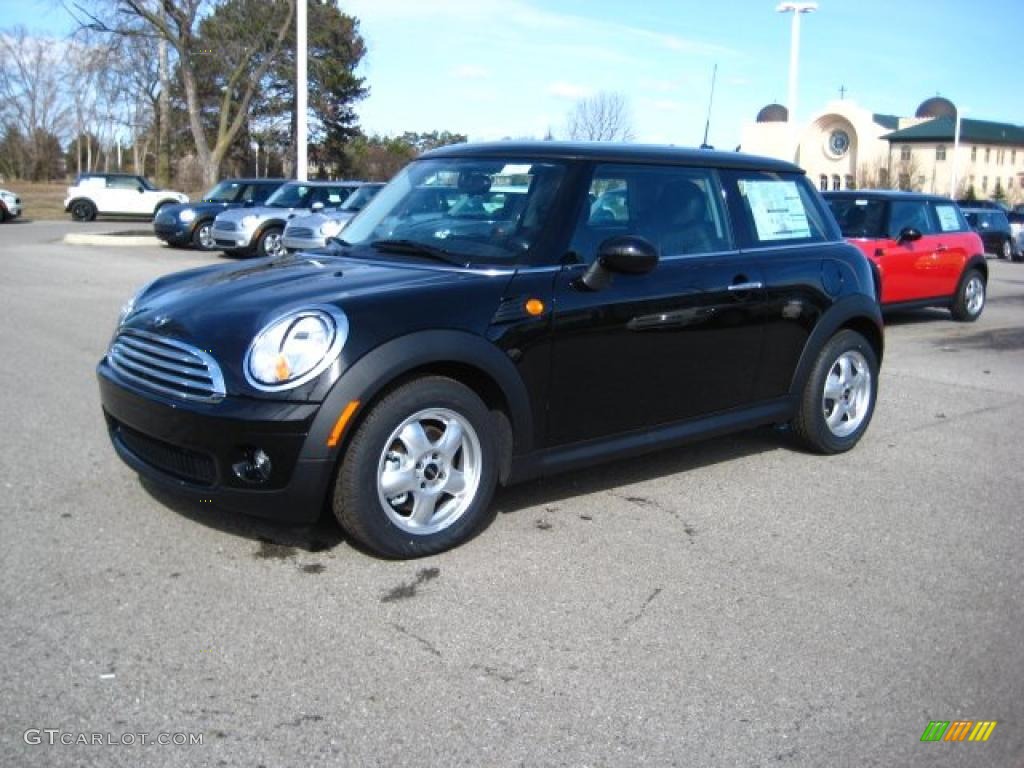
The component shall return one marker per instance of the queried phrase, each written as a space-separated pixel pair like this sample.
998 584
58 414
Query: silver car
307 232
258 229
10 205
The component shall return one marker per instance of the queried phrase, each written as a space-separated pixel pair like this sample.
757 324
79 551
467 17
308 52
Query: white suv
116 194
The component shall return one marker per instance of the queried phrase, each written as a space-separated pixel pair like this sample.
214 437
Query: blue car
189 225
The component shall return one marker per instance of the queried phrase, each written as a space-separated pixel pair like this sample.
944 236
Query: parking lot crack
426 644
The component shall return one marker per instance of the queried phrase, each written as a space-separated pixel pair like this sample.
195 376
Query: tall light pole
956 154
797 9
301 93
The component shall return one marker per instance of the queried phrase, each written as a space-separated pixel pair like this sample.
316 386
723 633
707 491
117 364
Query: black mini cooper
498 312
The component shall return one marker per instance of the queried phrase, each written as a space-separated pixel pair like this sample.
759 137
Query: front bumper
13 209
232 240
191 448
173 232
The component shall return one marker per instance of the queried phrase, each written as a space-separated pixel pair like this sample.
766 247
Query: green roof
971 131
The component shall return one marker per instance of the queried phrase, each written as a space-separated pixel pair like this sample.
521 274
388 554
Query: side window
779 209
678 209
258 193
909 213
949 217
122 182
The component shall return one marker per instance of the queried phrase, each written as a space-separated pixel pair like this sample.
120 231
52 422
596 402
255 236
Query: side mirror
140 190
317 207
908 235
625 254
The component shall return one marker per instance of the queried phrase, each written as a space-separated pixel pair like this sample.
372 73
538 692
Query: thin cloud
471 72
569 91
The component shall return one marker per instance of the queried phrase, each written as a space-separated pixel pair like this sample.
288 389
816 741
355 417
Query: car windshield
358 199
858 216
224 192
475 210
293 195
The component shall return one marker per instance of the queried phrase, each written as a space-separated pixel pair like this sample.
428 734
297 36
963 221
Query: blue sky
494 68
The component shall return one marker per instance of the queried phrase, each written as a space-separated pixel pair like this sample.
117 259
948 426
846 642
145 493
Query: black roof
262 180
884 194
614 153
971 131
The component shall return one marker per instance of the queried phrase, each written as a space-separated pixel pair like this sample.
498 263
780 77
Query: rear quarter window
776 209
950 218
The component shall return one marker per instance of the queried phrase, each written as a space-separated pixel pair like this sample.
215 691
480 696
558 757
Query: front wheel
418 475
839 397
269 243
202 236
1007 250
970 297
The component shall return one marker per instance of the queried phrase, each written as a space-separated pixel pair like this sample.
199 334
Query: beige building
846 146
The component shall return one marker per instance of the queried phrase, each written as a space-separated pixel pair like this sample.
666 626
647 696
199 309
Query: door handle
751 286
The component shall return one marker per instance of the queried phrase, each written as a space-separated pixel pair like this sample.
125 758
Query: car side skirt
639 442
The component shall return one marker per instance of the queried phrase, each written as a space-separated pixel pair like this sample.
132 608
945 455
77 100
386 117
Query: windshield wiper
419 249
339 241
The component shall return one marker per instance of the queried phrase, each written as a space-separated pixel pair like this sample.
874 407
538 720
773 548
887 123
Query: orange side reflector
341 423
535 307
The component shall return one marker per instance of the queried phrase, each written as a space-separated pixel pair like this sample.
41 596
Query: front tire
970 297
202 236
418 475
83 210
269 243
838 399
1007 250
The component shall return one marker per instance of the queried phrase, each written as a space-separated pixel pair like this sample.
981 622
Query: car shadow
608 476
917 316
279 540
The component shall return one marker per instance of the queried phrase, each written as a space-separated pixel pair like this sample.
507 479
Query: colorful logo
958 730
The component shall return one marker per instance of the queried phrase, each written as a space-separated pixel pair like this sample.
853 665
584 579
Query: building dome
936 106
773 113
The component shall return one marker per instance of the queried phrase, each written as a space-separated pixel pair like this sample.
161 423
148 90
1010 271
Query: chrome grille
225 226
166 365
299 232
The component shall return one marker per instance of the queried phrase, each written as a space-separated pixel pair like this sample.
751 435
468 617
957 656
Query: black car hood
220 309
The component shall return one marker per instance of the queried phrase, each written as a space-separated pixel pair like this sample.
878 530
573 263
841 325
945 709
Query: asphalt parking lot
735 603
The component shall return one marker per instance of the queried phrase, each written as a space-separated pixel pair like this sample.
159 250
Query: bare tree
31 96
247 53
602 117
874 174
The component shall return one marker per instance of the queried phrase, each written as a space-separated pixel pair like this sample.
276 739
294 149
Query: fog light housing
255 466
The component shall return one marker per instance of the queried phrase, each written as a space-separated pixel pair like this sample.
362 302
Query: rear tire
269 243
838 399
970 297
83 210
418 475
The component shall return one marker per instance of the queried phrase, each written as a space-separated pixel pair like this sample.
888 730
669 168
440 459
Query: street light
301 92
956 153
794 54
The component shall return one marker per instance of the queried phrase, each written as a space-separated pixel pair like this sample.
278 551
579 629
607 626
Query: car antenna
711 100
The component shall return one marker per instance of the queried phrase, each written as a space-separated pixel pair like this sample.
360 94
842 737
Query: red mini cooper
924 250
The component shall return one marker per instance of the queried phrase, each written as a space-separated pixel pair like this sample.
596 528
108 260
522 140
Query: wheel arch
82 199
858 313
459 355
978 262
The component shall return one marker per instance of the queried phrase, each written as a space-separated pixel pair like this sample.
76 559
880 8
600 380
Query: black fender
373 372
272 224
977 261
859 312
79 199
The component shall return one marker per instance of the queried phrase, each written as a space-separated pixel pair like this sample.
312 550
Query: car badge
161 320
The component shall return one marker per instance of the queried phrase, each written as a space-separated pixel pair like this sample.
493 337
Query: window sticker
777 208
948 220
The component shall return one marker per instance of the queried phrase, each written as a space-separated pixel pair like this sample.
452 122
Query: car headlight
248 221
187 215
330 228
129 306
295 348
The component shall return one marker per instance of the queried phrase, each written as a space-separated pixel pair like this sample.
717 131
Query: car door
908 266
121 195
678 342
953 246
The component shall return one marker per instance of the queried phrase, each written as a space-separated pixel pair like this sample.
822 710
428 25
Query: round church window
838 142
